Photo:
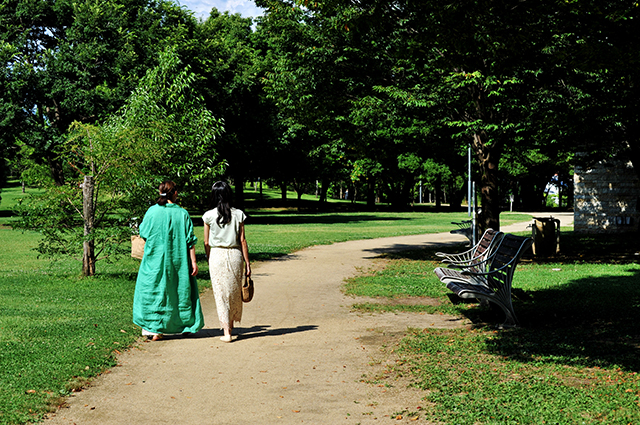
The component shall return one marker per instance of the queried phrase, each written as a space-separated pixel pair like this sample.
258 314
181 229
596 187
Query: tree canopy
372 97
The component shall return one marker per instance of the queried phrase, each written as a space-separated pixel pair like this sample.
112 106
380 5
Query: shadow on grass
587 322
591 322
270 218
253 256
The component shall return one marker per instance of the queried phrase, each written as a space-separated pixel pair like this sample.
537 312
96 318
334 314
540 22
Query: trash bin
546 236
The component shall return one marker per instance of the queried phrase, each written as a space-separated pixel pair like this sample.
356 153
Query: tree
231 64
162 131
322 84
598 56
68 61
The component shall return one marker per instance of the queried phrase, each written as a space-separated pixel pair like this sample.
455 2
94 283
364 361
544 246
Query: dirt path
300 357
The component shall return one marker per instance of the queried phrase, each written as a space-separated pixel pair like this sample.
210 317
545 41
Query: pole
474 223
469 183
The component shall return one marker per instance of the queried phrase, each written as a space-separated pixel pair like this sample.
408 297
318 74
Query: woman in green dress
166 297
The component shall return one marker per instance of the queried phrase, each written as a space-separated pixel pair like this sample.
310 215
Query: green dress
166 297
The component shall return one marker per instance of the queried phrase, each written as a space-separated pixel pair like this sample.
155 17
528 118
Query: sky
201 8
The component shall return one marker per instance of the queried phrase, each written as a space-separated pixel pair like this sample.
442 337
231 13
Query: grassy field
57 329
575 359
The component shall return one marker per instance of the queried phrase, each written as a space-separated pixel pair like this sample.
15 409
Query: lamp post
469 182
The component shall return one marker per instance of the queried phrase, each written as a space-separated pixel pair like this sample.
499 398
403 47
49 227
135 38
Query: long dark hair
166 190
222 194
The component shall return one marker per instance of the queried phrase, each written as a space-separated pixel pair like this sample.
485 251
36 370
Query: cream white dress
226 265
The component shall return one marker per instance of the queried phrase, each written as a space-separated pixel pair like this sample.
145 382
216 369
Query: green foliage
162 131
69 61
230 61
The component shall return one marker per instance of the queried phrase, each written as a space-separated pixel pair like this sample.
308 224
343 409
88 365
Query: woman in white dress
226 248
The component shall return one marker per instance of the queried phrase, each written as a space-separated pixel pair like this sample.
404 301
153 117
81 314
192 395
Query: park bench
465 228
477 255
494 283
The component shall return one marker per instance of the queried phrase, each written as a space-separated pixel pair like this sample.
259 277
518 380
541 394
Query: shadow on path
246 333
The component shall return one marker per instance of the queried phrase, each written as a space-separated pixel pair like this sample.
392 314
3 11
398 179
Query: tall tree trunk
55 167
371 193
298 186
633 134
283 190
438 189
488 158
238 179
324 188
88 212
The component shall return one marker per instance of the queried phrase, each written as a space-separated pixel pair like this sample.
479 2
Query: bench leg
510 316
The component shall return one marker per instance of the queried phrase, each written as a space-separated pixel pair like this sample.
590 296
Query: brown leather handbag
247 290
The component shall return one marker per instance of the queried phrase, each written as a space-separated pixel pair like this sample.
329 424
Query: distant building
606 198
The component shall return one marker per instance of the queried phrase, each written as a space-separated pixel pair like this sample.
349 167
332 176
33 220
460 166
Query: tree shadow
288 218
270 218
426 252
590 322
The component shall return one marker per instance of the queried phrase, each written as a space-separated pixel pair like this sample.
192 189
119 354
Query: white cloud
202 8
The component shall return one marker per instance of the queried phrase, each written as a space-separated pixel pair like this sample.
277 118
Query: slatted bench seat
477 255
493 284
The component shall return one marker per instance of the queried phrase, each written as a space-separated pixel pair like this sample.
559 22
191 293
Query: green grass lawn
575 359
57 329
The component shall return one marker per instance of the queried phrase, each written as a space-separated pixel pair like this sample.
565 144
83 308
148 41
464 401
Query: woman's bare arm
245 250
207 247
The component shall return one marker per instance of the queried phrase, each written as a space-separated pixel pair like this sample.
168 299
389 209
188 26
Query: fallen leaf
123 331
31 391
295 411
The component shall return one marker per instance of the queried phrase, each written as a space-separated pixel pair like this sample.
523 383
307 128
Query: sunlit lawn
58 329
575 359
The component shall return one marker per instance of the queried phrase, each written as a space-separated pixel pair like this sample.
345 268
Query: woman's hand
194 264
248 270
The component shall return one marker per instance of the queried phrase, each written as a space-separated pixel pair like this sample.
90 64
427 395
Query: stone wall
606 198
